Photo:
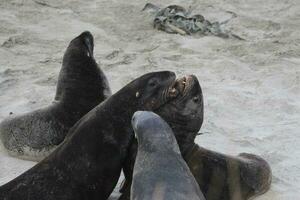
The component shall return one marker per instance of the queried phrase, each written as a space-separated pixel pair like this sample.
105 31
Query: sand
251 88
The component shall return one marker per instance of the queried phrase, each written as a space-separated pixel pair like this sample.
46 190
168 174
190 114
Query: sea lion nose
136 116
88 40
139 118
134 122
134 119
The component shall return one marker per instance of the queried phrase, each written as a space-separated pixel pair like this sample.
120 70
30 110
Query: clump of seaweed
176 19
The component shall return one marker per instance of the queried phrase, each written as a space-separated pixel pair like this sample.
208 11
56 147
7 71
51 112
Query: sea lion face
83 44
152 90
185 112
152 132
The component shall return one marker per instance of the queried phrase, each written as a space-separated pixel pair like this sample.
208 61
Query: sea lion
81 86
185 116
88 163
159 170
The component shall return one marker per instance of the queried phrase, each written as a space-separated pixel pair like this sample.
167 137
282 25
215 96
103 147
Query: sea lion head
177 101
83 45
152 132
184 113
80 77
150 91
186 110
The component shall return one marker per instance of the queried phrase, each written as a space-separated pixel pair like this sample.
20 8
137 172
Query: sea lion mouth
180 86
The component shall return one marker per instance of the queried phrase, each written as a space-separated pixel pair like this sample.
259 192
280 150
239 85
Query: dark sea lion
81 86
185 116
159 170
88 163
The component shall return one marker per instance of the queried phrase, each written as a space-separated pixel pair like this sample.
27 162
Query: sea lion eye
153 83
196 99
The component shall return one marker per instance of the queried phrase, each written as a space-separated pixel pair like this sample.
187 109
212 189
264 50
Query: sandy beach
251 88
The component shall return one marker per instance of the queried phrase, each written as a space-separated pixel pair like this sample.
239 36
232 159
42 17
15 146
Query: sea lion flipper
255 172
221 175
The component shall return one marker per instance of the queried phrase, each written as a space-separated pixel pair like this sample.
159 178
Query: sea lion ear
88 40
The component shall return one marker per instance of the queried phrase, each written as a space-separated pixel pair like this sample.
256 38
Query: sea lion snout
85 40
88 40
134 120
141 118
180 86
151 129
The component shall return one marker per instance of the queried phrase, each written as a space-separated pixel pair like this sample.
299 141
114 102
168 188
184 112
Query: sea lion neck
126 101
185 139
157 146
80 79
81 86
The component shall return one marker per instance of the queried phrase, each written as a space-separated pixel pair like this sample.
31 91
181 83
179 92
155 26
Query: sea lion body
81 86
88 163
159 170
